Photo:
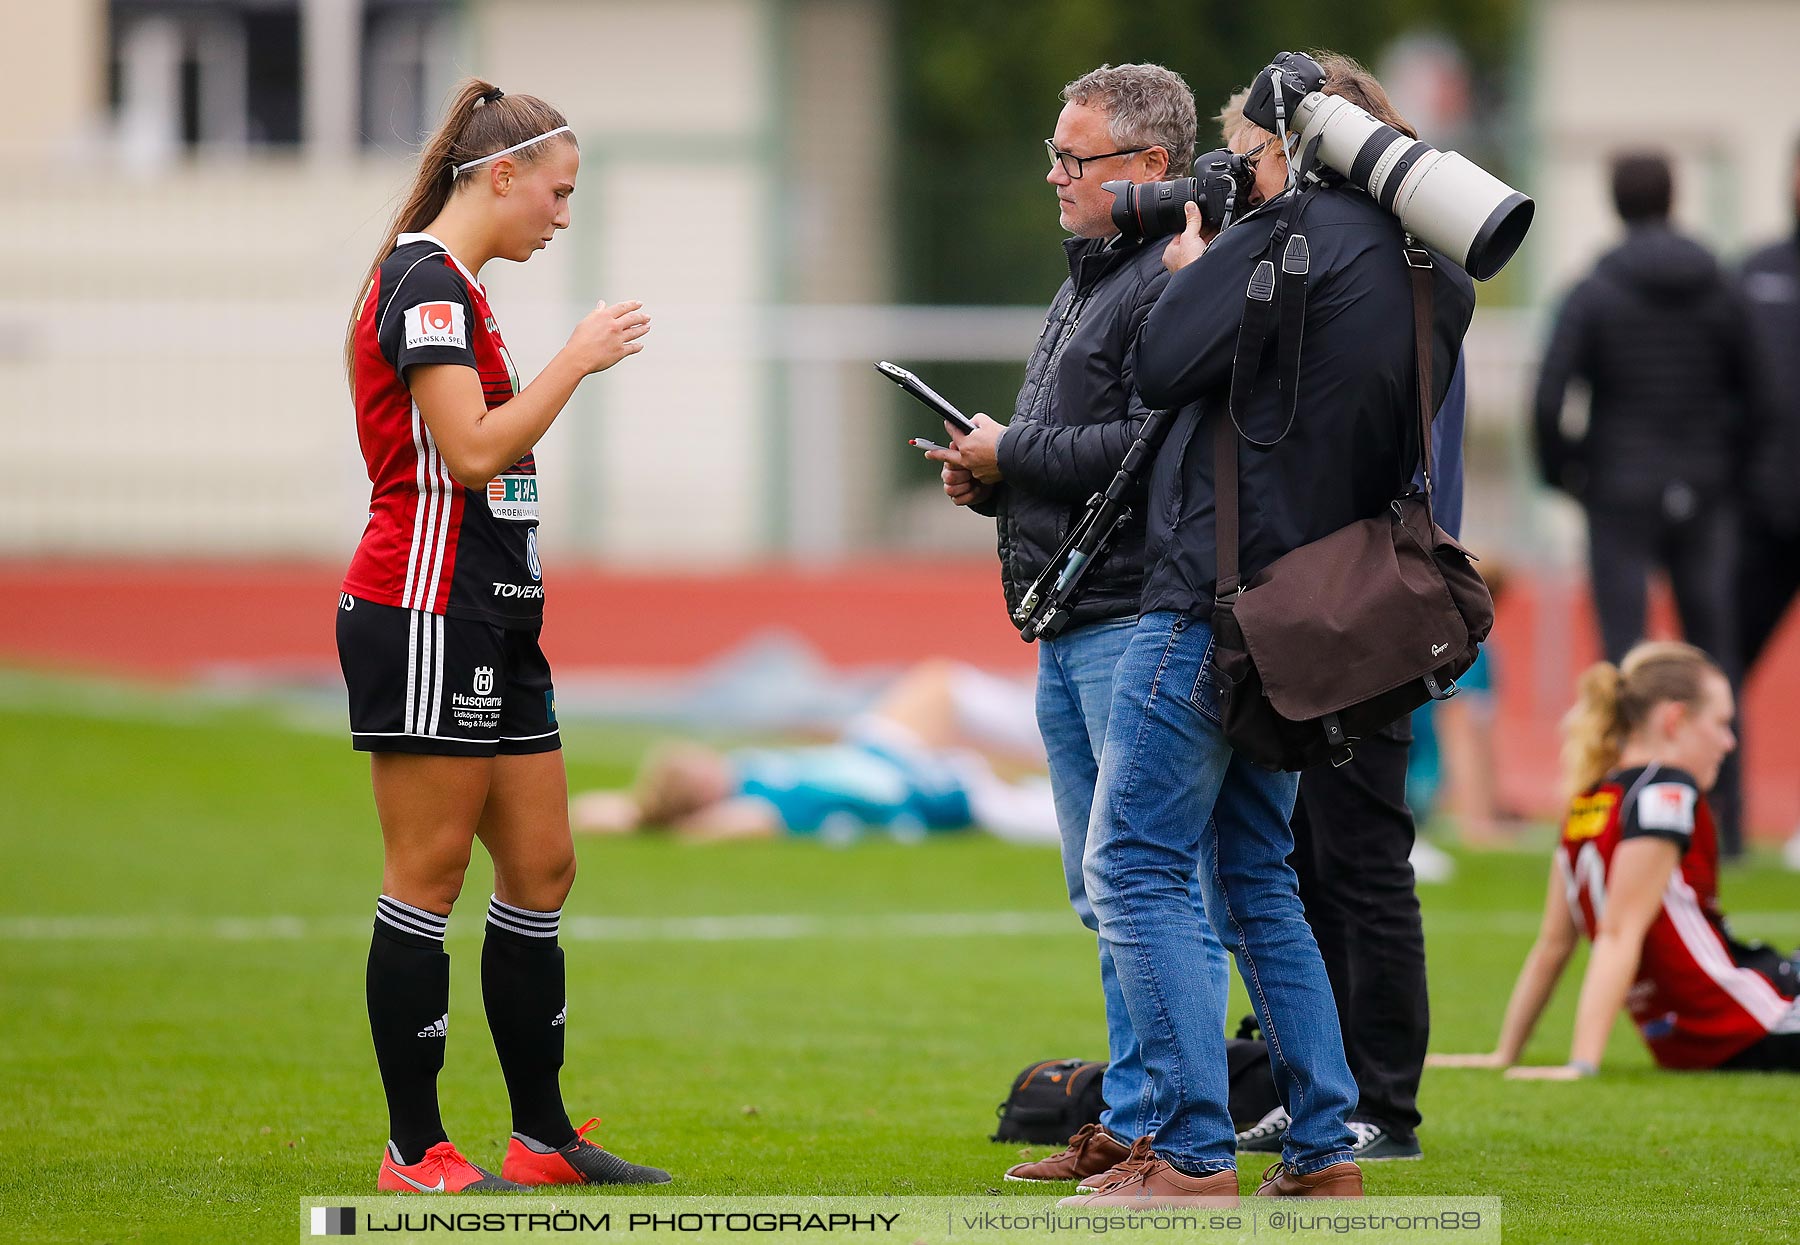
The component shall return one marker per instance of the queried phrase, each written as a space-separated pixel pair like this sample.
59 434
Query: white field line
694 929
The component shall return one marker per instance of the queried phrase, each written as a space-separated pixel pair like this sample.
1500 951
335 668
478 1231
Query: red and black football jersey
1694 1006
432 544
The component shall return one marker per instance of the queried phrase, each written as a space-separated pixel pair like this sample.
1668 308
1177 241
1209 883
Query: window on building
212 74
408 60
193 73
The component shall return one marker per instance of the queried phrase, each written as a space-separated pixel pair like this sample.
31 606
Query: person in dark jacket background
1655 332
1077 414
1769 559
1173 792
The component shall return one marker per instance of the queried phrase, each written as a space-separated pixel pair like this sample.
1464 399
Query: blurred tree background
978 92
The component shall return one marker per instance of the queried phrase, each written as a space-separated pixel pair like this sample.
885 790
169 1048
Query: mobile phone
926 394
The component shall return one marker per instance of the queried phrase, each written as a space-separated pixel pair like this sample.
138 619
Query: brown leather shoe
1091 1151
1339 1180
1145 1181
1112 1175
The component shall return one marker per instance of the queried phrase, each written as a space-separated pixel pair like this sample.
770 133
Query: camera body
1144 210
1445 200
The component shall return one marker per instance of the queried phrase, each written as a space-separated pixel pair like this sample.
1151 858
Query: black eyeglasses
1071 164
1251 157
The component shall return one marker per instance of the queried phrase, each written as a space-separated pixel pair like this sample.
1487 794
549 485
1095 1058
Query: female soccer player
1636 872
437 631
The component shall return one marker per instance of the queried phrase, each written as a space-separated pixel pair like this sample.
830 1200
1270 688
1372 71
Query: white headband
460 169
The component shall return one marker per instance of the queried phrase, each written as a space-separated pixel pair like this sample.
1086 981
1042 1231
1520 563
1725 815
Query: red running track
173 621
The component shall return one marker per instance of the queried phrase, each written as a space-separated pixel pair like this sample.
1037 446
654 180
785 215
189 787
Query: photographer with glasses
1077 414
1174 796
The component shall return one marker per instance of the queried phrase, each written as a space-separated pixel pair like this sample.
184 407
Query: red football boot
531 1162
442 1170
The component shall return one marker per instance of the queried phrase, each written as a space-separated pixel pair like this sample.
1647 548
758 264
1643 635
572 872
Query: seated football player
1637 873
921 761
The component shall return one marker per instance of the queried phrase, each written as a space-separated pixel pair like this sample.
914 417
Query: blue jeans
1173 796
1074 696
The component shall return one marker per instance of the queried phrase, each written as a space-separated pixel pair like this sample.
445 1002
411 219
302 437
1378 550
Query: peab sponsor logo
436 324
513 497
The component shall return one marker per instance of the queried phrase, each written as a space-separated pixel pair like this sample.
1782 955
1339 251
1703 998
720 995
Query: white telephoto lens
1445 200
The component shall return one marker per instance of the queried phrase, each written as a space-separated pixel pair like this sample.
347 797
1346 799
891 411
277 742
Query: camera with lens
1445 200
1144 210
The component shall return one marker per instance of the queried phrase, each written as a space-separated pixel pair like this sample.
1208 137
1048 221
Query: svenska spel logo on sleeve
436 324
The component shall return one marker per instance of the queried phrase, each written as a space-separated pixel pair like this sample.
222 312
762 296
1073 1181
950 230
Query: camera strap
1264 313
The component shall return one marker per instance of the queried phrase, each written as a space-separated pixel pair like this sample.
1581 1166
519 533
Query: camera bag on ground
1338 638
1050 1101
1253 1093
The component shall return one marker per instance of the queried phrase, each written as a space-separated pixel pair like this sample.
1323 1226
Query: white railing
165 427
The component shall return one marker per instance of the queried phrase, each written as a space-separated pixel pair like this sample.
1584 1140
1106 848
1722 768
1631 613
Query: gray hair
1145 106
1232 119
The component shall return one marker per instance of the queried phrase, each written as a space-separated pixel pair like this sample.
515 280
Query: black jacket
1655 332
1354 444
1770 288
1076 416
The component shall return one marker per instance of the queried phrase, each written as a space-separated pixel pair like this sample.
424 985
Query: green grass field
185 895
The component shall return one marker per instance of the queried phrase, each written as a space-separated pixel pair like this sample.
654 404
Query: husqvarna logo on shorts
484 680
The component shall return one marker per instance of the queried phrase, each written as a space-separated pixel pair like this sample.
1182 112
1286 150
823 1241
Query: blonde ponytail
481 120
1612 702
1593 736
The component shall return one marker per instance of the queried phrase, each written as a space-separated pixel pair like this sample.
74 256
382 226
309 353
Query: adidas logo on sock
439 1028
561 1017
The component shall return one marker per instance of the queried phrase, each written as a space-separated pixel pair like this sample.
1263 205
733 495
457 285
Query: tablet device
926 394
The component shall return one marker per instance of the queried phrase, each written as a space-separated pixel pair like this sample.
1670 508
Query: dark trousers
1768 580
1699 551
1352 835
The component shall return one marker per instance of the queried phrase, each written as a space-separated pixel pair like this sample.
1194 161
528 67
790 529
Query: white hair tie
460 169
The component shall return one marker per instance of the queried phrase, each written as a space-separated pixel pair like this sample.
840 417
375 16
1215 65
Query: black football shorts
424 682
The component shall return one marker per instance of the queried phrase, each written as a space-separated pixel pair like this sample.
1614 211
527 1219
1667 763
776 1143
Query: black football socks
522 990
409 1006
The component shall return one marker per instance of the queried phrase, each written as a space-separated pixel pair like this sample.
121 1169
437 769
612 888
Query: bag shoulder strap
1418 263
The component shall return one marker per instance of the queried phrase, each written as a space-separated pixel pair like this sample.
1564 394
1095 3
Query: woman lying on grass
1637 872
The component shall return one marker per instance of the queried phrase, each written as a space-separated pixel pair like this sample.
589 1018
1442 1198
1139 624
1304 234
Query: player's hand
1188 245
1561 1072
1491 1059
607 334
